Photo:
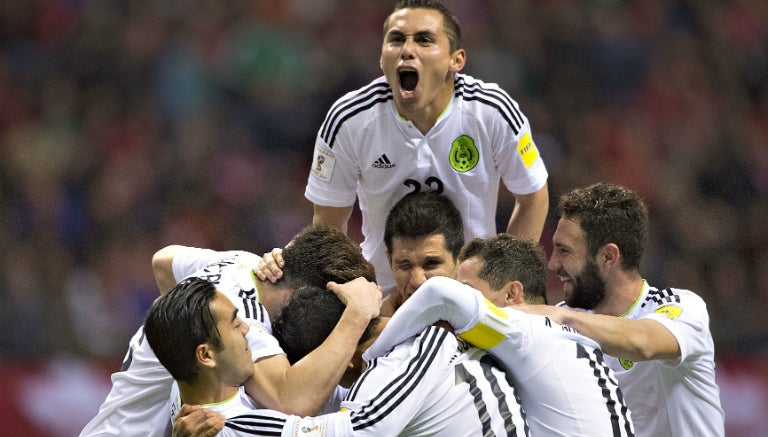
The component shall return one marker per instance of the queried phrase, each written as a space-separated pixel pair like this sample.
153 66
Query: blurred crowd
127 125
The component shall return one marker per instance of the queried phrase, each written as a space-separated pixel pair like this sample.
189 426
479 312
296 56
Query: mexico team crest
464 155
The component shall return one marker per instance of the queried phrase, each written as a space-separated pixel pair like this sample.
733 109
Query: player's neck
425 117
205 391
621 294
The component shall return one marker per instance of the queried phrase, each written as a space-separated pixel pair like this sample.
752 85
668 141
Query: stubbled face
417 61
234 359
414 261
467 273
582 284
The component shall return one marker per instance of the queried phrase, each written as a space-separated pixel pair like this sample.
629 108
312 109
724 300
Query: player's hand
195 421
271 266
359 295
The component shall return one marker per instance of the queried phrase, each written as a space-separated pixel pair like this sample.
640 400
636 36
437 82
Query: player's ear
513 293
205 355
609 254
458 60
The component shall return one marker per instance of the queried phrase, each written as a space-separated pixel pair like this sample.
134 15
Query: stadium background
129 125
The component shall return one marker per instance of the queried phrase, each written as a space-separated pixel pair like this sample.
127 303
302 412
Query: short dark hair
609 213
178 322
451 24
307 319
319 254
423 214
506 258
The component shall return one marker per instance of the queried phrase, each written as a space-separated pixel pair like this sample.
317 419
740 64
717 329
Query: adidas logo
382 162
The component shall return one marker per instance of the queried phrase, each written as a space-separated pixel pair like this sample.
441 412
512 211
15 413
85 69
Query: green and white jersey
364 150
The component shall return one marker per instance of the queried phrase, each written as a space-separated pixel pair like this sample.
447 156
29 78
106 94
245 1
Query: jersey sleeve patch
310 427
670 311
323 163
527 150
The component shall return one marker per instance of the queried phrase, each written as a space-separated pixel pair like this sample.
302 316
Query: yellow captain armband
491 330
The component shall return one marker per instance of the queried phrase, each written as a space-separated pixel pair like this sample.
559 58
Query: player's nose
418 276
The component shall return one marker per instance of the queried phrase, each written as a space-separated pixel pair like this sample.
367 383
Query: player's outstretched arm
304 387
635 340
202 422
473 317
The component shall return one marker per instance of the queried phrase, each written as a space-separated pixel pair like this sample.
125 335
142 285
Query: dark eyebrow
234 315
424 33
421 33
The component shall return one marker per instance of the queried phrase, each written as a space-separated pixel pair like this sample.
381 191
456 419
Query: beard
588 288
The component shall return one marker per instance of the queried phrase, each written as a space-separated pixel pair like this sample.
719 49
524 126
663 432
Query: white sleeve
268 422
260 342
394 388
688 321
473 317
333 175
192 259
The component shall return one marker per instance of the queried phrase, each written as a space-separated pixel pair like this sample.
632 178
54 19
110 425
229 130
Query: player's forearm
162 267
636 340
311 380
337 217
530 213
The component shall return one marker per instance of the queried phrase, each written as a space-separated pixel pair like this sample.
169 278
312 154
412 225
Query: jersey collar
640 297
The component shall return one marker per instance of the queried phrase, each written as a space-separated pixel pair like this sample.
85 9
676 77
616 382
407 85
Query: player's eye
425 40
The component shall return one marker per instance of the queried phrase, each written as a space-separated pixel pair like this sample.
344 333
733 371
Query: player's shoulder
488 101
360 104
376 92
469 87
659 297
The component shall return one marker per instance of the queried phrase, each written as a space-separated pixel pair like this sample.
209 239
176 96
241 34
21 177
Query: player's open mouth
408 78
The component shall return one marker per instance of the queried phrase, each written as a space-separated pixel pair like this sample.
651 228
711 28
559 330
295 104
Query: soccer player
564 385
658 339
424 125
423 235
317 255
210 359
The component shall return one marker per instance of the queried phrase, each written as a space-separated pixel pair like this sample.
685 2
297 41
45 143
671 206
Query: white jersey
365 150
244 418
565 387
673 397
137 403
424 387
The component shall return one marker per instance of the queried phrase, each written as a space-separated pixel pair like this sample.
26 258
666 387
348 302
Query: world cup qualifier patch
464 155
323 163
670 311
310 427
